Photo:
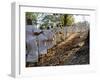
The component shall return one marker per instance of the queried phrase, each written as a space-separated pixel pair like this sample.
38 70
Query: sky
79 18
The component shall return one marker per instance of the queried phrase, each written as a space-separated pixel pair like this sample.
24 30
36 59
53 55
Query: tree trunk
65 20
29 21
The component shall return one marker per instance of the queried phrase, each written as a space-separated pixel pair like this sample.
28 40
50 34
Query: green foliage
68 20
42 27
47 19
32 17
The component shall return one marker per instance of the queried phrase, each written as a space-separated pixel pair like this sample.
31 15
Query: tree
68 20
49 19
31 18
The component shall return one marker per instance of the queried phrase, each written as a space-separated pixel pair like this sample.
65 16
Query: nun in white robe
31 47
